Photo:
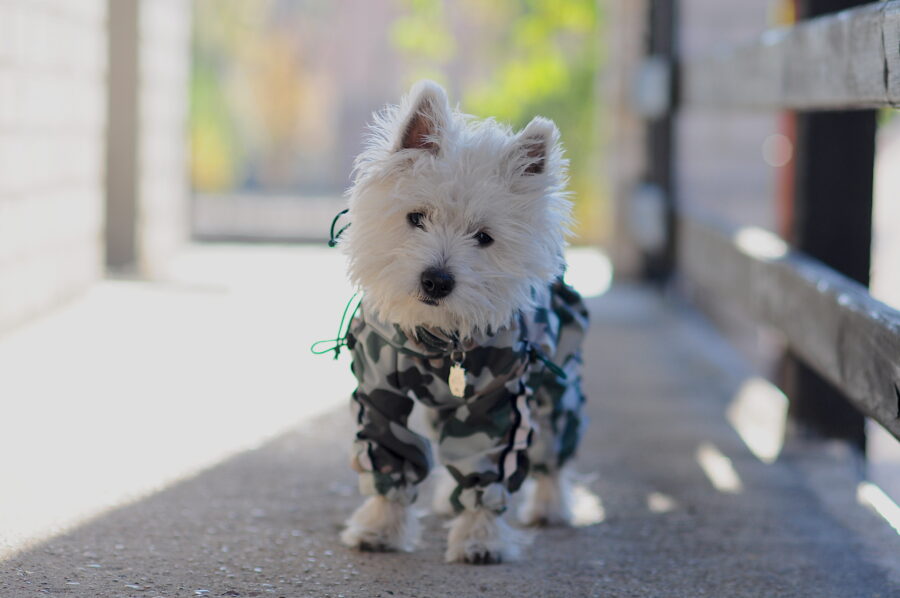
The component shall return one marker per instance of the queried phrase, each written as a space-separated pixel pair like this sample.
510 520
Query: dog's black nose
437 283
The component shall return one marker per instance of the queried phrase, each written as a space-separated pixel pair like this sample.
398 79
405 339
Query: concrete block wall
164 29
52 122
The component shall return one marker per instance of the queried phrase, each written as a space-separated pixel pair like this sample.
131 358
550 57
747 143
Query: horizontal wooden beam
829 321
847 60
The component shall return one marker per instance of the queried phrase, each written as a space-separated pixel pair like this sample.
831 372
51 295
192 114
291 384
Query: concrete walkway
680 505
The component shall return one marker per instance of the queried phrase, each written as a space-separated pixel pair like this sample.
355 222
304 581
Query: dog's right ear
425 120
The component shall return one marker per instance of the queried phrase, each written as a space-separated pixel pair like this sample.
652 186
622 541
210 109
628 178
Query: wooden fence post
832 222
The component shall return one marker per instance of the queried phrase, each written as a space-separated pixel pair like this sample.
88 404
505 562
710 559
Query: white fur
444 486
548 500
466 177
382 524
480 536
475 181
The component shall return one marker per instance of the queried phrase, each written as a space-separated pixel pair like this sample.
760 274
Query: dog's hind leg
548 499
444 485
548 491
557 406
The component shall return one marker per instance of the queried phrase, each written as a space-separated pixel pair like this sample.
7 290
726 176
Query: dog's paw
547 502
366 545
381 525
483 556
482 538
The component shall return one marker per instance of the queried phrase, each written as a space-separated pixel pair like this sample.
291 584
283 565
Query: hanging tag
457 380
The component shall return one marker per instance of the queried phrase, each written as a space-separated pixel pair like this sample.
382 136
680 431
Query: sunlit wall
52 120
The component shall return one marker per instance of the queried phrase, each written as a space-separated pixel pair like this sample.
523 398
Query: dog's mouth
429 301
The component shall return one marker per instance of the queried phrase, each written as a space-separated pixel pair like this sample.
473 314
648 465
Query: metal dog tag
457 380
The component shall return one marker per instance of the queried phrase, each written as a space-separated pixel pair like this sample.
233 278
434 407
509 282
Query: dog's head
454 221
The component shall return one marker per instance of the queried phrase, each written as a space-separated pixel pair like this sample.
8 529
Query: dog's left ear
533 145
427 117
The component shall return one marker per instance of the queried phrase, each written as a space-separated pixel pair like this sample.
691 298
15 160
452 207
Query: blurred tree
513 59
219 34
257 117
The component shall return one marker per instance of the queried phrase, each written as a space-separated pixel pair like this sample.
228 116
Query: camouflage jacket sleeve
390 458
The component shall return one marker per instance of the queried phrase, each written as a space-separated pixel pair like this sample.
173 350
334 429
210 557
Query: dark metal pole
662 43
832 222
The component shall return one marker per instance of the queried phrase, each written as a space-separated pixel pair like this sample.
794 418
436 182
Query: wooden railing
846 60
841 64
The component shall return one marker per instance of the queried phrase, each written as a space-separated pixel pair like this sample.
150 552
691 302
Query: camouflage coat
522 401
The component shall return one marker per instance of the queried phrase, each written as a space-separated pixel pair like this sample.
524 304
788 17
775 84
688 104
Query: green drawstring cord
341 340
550 365
334 237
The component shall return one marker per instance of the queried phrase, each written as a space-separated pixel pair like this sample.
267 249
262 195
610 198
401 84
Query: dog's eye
416 219
483 238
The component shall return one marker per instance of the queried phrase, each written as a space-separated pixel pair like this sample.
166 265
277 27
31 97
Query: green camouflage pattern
557 403
486 438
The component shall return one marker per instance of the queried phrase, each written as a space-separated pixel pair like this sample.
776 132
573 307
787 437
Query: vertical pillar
626 33
659 178
832 222
121 134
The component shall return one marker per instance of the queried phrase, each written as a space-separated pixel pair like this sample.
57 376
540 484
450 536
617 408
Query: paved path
687 509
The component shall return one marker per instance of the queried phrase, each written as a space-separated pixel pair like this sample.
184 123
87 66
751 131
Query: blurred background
280 99
169 170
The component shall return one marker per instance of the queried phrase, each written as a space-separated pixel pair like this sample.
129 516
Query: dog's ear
533 145
426 119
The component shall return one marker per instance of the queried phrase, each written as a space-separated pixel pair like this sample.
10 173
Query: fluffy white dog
456 239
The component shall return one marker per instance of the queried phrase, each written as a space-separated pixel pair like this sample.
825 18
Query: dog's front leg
391 461
382 524
481 536
483 444
390 458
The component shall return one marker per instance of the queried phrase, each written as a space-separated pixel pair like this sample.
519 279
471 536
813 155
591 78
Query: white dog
456 239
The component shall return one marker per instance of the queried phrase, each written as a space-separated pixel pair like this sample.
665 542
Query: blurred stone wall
54 131
52 121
